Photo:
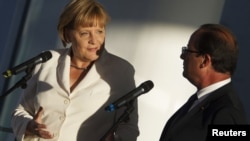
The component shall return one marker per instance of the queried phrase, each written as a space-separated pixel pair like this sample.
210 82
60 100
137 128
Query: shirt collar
212 87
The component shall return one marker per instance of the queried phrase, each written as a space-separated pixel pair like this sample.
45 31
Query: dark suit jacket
222 106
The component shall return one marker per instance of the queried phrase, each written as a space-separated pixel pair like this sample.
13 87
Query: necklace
76 67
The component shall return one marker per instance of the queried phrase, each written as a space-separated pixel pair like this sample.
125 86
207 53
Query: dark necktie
190 102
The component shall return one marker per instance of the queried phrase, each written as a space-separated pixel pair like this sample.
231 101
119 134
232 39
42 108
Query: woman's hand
36 127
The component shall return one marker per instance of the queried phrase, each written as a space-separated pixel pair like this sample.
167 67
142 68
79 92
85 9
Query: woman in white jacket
65 98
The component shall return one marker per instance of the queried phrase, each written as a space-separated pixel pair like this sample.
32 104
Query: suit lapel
203 105
63 71
91 77
182 112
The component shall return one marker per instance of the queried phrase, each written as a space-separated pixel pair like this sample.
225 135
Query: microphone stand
21 83
123 118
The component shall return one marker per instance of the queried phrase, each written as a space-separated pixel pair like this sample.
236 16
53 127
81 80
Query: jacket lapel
63 71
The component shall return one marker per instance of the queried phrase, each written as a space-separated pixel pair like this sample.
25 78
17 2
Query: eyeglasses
185 50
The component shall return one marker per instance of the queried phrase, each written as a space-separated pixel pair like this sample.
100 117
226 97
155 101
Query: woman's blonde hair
85 13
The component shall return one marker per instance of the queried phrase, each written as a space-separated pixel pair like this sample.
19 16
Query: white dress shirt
203 93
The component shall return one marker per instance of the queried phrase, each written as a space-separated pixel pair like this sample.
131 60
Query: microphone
41 58
143 88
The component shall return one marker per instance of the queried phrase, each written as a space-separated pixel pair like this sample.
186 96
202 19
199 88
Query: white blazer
78 115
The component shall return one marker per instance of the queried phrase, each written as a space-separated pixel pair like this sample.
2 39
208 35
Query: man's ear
206 60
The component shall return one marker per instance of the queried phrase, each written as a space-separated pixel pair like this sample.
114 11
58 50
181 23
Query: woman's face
87 42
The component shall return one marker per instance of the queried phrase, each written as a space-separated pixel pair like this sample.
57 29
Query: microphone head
147 86
45 56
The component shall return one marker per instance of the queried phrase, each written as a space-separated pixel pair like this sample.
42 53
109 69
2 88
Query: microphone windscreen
147 86
46 56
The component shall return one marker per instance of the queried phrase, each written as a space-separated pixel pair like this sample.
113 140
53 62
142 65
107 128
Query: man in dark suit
209 61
